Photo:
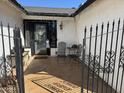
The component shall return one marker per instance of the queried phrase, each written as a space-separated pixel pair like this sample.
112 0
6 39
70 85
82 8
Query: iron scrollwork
93 62
3 66
122 58
109 61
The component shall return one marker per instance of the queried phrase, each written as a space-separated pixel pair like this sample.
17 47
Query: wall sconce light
61 25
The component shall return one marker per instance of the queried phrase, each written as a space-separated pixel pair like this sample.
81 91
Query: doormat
56 85
41 57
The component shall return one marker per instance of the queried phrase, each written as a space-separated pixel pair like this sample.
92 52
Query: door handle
35 40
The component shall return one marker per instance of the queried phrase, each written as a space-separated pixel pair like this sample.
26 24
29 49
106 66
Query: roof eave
18 6
84 6
49 14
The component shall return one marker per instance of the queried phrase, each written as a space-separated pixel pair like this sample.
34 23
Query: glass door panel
40 39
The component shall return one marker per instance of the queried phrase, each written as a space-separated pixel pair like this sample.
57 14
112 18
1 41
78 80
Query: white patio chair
61 52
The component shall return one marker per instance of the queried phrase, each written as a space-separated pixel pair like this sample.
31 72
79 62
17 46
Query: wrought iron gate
103 58
11 66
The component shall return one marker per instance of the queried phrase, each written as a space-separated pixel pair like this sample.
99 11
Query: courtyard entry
95 67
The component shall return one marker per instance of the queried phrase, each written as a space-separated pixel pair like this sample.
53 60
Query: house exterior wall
98 12
67 34
9 14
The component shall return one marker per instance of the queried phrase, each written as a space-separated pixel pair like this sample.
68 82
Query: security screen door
40 39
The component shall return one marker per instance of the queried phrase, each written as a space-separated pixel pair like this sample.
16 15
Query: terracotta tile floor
66 70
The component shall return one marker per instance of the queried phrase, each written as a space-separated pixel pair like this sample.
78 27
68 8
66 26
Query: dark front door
36 34
40 39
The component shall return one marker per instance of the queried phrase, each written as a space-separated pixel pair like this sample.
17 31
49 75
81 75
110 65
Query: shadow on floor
67 70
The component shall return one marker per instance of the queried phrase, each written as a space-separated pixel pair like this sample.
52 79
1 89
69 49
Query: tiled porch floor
66 70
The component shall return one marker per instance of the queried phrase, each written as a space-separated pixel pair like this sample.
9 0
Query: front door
40 39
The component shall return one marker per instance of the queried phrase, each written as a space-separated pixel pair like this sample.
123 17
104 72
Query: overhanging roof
59 12
14 2
85 5
45 11
49 14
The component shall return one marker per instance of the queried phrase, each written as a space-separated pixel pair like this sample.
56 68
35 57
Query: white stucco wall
67 34
9 14
98 12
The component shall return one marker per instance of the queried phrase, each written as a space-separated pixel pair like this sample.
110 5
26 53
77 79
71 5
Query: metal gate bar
89 58
4 60
105 56
102 27
19 62
111 46
10 49
115 51
83 59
